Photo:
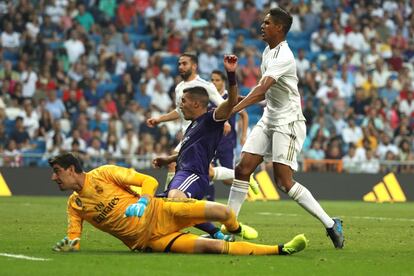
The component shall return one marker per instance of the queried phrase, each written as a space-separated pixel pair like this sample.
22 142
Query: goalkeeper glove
66 245
137 209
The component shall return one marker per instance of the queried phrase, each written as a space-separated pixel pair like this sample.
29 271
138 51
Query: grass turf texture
379 241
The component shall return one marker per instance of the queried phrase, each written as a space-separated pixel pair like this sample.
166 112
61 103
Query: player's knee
242 171
209 246
283 183
176 194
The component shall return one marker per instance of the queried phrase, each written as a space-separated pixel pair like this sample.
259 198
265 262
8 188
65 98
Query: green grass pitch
379 241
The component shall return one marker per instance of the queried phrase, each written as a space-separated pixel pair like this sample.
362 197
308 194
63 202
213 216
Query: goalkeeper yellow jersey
105 195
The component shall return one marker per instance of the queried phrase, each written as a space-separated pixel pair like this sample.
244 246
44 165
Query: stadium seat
106 87
137 39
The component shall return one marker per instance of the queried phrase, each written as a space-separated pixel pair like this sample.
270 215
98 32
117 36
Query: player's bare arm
224 110
257 94
170 116
164 161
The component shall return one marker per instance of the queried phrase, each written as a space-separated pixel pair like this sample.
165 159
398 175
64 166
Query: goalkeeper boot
254 185
336 233
245 232
296 245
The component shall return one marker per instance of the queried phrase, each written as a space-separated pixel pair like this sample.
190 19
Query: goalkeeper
103 198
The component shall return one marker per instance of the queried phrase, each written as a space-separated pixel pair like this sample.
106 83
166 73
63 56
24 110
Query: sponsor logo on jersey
104 210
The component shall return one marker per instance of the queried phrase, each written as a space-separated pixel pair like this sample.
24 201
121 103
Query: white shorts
279 144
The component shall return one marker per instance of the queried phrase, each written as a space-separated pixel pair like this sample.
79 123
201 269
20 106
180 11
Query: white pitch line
24 257
355 217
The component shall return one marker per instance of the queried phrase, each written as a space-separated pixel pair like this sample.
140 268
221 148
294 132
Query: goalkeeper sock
237 195
247 248
305 199
222 173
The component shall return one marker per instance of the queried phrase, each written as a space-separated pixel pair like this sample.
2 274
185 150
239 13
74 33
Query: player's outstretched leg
297 244
336 233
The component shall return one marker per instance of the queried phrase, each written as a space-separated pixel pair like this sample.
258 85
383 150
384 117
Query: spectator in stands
28 79
84 18
208 61
54 146
74 47
352 133
133 115
126 14
129 143
96 153
68 142
407 105
165 79
388 93
385 145
389 163
55 105
12 156
351 162
113 149
10 40
249 74
30 118
20 135
370 164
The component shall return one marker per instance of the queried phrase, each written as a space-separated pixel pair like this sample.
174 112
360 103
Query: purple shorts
193 185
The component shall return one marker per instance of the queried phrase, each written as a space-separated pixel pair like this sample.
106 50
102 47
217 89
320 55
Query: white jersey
283 104
213 94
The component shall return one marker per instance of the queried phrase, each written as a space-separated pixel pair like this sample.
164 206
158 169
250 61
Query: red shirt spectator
125 13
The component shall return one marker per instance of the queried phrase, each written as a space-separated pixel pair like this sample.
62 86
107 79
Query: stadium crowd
84 75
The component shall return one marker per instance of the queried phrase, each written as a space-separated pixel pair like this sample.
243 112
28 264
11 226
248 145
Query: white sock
238 192
305 199
222 173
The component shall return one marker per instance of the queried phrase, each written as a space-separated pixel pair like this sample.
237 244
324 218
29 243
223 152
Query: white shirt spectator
30 122
370 165
357 41
383 149
352 134
337 41
74 48
10 40
302 66
28 80
142 55
161 100
129 143
407 107
207 63
351 164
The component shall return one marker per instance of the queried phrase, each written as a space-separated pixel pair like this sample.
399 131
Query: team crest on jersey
78 202
98 189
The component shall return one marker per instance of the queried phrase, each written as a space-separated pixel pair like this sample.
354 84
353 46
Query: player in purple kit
200 143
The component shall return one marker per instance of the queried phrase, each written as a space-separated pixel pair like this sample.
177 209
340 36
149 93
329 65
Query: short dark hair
281 16
65 160
198 93
193 58
220 73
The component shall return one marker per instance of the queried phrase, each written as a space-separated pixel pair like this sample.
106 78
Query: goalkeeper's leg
189 243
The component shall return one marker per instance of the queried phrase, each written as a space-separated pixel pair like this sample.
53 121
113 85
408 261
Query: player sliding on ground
103 198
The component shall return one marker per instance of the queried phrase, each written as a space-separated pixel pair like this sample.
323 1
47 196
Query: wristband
231 76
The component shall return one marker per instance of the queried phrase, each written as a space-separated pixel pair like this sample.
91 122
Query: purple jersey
200 144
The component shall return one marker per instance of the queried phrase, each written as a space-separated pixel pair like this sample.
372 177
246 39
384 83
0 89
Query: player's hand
160 162
137 209
230 63
152 122
226 129
66 245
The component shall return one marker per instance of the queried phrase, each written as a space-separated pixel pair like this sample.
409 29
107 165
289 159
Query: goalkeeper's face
65 178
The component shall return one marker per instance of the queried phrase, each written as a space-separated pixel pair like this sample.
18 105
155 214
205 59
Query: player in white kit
280 133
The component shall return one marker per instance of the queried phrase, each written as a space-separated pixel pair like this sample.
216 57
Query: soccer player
200 143
187 67
103 198
280 132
